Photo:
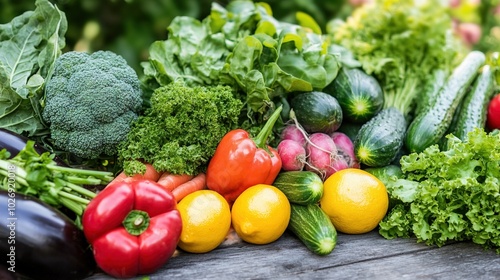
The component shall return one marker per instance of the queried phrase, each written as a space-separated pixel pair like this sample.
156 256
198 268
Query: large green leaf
18 53
29 46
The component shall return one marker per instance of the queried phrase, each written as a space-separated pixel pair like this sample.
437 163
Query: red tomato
493 118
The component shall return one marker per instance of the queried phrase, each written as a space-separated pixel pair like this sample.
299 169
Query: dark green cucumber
313 227
432 123
350 129
358 93
380 139
301 187
431 89
317 111
472 111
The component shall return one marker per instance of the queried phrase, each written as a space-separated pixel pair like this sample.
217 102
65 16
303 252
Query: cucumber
380 139
350 129
432 123
313 227
472 111
317 111
432 87
301 187
385 173
358 93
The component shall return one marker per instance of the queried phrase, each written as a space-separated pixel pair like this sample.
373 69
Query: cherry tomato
493 117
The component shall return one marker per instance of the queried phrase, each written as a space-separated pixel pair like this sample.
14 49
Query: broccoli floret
91 101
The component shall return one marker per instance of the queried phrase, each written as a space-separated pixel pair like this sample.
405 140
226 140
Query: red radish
338 164
345 149
292 154
321 154
293 132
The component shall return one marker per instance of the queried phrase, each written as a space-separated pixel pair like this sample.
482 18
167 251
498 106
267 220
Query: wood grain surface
366 256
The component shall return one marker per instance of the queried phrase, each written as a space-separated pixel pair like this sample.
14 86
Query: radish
292 154
293 132
322 157
345 149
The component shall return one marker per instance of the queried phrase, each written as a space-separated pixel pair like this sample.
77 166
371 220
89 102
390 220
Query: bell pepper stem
261 138
136 222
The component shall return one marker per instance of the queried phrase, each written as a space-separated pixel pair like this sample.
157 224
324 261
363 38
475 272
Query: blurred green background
128 27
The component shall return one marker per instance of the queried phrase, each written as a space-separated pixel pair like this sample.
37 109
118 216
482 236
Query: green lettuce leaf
449 195
29 45
244 46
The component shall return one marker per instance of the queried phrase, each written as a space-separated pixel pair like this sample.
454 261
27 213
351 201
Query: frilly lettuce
244 46
449 195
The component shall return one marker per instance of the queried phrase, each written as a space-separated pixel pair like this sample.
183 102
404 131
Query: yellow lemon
355 200
260 214
206 219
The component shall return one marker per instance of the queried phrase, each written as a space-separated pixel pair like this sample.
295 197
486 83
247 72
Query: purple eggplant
39 242
12 141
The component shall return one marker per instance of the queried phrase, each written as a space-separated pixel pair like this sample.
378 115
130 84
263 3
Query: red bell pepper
133 227
240 162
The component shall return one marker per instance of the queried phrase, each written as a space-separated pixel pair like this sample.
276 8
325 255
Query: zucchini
313 227
380 139
472 111
432 123
317 111
301 187
358 93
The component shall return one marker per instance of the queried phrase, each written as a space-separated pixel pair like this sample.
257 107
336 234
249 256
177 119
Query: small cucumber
380 139
317 111
472 112
432 123
313 227
358 93
300 187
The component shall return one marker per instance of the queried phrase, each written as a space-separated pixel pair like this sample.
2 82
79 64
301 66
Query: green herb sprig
38 175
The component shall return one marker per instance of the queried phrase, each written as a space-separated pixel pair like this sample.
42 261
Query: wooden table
367 256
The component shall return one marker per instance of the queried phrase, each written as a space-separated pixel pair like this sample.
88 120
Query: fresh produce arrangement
241 126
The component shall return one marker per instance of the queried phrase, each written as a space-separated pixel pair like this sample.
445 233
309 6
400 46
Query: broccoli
90 102
181 130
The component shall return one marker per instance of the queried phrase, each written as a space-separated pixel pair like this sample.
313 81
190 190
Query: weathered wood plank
355 256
